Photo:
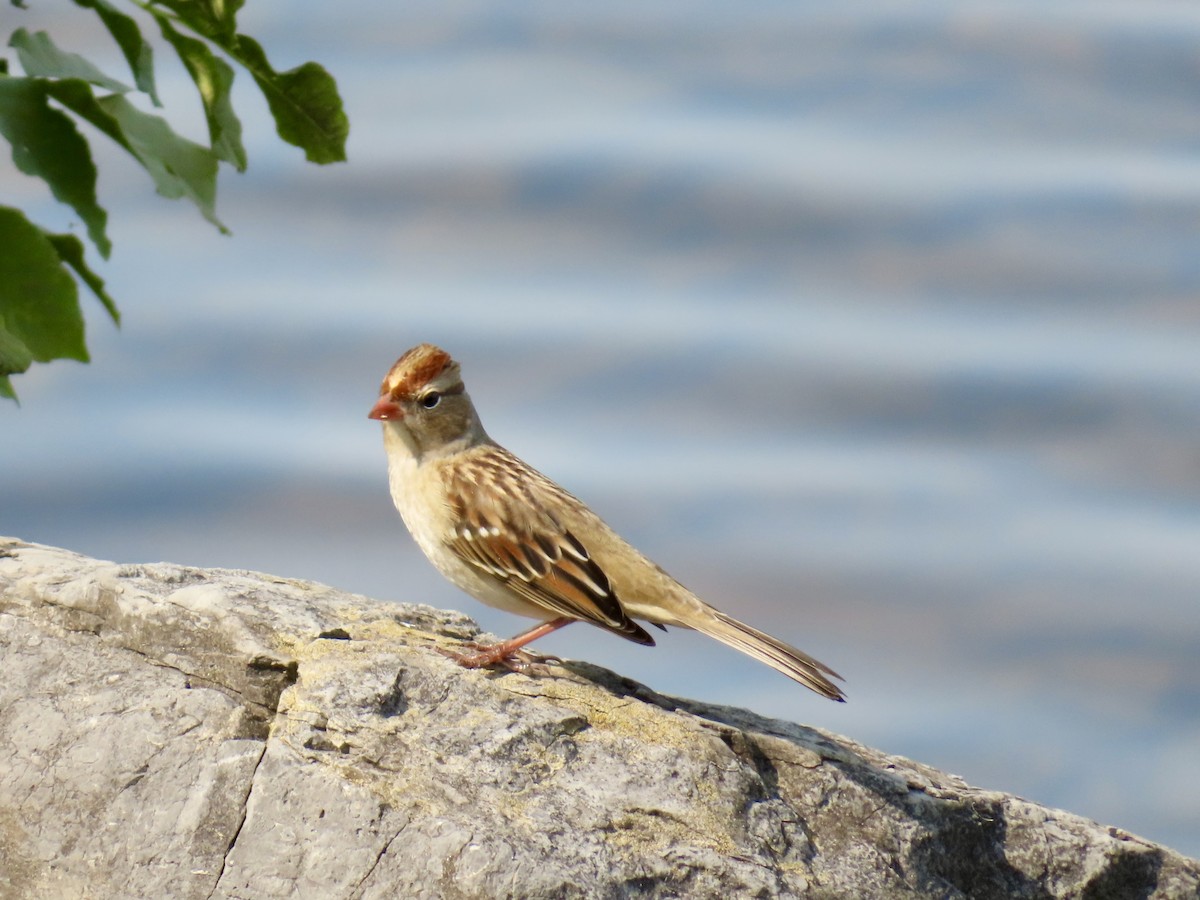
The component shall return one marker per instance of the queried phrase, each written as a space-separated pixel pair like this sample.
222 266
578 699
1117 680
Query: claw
507 653
489 655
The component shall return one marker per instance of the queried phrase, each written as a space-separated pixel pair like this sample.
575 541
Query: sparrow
513 539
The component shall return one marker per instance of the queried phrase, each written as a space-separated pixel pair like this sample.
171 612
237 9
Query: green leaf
70 251
213 78
40 57
77 96
179 167
304 101
213 19
39 303
14 358
46 145
138 53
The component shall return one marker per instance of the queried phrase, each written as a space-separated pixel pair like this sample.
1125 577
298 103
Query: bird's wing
508 531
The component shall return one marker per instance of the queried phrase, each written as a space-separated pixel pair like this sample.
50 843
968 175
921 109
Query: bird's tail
775 653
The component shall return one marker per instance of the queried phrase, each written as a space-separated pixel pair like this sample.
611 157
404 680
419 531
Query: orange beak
385 409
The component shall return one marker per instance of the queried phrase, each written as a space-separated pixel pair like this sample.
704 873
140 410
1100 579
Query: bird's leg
508 653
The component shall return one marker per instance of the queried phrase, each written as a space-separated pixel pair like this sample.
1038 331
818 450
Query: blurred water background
876 324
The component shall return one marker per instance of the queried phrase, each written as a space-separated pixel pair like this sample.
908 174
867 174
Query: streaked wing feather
514 539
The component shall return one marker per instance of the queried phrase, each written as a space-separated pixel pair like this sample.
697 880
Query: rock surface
176 732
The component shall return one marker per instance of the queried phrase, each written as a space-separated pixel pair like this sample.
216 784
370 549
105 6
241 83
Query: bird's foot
503 654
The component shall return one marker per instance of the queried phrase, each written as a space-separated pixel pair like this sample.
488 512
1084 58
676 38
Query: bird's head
423 399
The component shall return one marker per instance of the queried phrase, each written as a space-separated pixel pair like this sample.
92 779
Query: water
875 325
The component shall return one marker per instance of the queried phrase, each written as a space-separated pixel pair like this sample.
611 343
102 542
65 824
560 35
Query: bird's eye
430 400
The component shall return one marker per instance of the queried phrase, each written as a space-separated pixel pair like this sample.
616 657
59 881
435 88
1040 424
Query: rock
176 732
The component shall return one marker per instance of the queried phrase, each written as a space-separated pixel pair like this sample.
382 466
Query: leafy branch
40 318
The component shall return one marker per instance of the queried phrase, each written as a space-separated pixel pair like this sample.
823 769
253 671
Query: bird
513 539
